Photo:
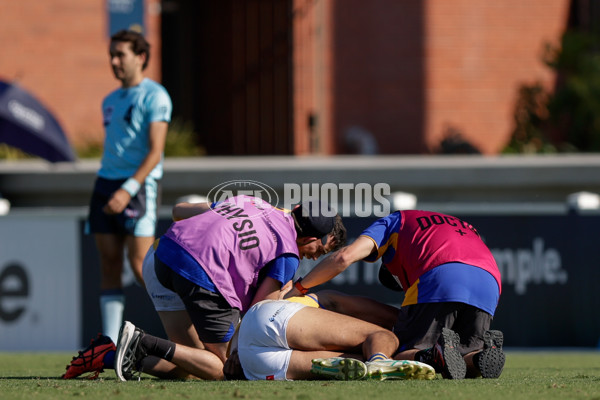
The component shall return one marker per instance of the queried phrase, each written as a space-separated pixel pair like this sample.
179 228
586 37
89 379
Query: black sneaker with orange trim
491 359
445 356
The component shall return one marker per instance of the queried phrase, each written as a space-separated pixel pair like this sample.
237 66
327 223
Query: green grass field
527 375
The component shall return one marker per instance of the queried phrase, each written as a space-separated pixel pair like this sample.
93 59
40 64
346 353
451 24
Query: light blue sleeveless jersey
127 114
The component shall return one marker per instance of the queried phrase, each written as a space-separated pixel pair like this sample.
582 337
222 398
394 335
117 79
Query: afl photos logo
230 189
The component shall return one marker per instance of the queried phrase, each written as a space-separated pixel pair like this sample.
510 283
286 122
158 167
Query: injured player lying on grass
300 338
292 339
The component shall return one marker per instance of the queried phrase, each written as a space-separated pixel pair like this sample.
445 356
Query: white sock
111 309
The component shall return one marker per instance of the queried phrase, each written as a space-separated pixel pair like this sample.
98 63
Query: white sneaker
399 369
344 369
127 355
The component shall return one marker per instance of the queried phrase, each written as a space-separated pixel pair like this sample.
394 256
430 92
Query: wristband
131 186
299 286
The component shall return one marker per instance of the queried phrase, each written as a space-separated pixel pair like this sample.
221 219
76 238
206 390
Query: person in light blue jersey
124 202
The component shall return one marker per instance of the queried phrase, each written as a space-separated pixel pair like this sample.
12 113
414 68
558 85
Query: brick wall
58 51
477 55
407 71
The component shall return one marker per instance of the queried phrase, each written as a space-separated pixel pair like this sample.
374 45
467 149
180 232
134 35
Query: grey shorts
162 298
419 325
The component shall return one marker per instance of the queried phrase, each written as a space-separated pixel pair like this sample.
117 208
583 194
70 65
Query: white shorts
162 298
262 344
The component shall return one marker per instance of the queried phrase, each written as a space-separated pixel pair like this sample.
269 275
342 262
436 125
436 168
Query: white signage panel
39 282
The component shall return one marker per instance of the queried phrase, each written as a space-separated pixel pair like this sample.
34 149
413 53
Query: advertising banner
40 283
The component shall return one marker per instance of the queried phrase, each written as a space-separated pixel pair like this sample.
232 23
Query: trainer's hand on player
285 290
117 203
293 292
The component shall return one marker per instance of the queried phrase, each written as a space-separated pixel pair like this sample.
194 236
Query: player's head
138 43
314 222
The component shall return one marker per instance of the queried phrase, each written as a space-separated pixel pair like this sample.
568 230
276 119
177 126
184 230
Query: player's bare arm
336 263
157 136
269 289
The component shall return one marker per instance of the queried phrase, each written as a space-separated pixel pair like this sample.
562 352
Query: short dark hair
339 234
139 44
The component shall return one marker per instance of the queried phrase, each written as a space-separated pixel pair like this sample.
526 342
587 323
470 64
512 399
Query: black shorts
419 325
214 319
138 218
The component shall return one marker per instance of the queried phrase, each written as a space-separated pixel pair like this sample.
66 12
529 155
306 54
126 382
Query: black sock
158 347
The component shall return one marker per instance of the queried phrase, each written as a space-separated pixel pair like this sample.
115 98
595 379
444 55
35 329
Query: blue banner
125 14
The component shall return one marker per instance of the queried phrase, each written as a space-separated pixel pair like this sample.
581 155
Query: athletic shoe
491 359
91 359
399 369
343 369
129 351
445 357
